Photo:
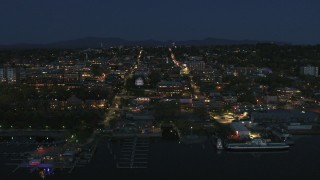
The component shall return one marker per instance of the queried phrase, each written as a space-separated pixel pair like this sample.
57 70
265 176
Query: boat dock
134 153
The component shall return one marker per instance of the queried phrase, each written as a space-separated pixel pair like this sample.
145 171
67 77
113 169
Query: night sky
43 21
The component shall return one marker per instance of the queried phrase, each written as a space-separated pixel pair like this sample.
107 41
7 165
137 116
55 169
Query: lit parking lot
223 119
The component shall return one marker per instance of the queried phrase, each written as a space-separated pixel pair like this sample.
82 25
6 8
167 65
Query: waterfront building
284 116
240 129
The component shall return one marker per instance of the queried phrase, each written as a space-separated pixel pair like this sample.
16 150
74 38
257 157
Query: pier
134 153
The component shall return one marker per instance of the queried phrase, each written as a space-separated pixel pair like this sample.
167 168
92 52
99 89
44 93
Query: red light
34 162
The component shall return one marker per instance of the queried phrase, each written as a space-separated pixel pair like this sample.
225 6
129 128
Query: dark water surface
171 160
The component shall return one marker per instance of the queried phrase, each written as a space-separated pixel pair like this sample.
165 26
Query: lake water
171 160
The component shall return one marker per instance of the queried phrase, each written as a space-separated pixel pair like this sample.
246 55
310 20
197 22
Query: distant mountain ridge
95 42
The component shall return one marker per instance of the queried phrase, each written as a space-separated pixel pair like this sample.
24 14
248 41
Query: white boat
257 144
219 144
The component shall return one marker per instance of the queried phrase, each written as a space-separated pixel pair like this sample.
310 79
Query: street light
191 130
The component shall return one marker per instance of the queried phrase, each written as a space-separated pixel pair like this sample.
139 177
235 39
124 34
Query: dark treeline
24 106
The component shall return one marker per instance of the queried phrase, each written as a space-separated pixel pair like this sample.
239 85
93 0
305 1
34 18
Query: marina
134 153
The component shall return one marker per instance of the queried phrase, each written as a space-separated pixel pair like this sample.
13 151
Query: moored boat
219 144
256 145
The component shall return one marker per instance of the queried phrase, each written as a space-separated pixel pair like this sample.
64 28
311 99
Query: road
114 110
196 90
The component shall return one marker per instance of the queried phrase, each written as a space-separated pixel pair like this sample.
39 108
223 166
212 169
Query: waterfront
171 160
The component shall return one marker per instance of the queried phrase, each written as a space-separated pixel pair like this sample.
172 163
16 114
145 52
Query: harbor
120 153
174 159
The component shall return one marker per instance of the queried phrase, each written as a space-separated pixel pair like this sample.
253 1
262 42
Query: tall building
3 76
309 70
11 75
8 75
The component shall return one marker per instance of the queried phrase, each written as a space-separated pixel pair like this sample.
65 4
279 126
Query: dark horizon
216 41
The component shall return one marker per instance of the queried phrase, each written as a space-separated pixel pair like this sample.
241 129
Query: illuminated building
11 75
240 129
169 87
139 82
196 65
2 75
309 70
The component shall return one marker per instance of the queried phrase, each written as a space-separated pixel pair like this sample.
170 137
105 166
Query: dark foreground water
171 160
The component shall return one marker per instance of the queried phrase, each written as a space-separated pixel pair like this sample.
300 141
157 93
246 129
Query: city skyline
137 111
121 89
45 22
